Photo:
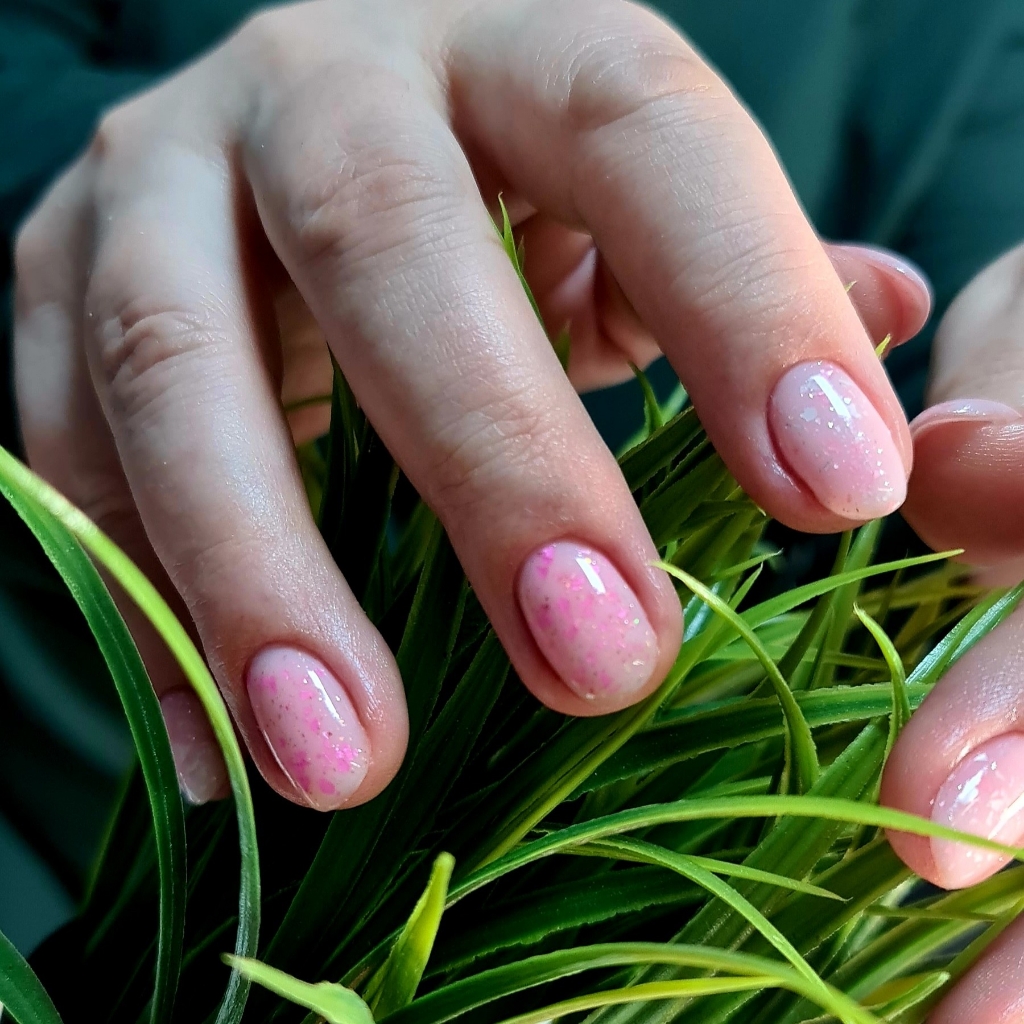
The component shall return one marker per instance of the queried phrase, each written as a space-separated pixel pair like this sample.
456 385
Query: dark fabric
900 122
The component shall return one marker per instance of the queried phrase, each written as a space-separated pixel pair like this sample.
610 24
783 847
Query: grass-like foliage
713 854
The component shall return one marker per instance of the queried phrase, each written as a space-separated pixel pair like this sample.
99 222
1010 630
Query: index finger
621 127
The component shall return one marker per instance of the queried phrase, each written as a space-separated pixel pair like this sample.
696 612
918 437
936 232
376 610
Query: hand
330 172
960 760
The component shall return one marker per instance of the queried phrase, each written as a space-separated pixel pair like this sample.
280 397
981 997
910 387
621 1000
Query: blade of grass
21 993
805 755
145 722
333 1003
462 996
22 480
395 983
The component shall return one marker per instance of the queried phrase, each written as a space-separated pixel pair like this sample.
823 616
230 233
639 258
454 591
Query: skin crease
327 177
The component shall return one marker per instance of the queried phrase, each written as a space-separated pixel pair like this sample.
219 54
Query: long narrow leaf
145 722
21 480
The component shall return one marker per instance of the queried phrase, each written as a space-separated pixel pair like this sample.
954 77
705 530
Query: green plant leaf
629 851
450 1001
142 711
21 993
690 868
21 481
702 809
536 915
898 675
805 755
644 993
396 981
334 1003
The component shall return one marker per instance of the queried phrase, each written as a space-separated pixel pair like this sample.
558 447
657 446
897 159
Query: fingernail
834 440
893 261
984 795
963 410
587 621
310 725
201 773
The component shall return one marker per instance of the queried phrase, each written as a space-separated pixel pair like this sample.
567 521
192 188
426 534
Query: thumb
967 486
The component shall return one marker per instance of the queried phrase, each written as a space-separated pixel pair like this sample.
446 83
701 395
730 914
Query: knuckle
140 350
485 448
628 64
33 248
387 197
268 39
115 130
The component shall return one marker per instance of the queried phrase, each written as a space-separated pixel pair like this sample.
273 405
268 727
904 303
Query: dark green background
900 122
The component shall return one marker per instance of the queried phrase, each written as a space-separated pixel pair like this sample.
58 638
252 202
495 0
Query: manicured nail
900 264
310 725
587 621
963 410
201 773
834 440
984 795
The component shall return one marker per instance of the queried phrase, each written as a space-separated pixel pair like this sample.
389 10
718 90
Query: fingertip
833 439
307 714
608 646
972 449
893 295
202 775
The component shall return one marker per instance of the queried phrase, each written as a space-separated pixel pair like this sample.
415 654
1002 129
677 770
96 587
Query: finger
960 761
399 261
176 345
687 203
576 291
970 441
992 991
892 295
67 441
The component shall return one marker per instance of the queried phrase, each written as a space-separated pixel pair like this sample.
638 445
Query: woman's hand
330 172
960 760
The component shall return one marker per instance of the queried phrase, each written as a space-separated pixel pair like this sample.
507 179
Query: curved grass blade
21 993
805 756
852 812
332 1003
395 983
145 722
22 481
897 673
624 852
644 993
701 876
450 1001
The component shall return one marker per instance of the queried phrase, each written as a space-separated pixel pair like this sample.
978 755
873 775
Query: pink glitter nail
833 438
587 621
309 723
197 758
984 795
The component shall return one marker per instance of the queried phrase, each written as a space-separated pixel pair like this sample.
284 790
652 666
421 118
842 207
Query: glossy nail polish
978 411
984 795
201 773
834 440
890 260
309 723
587 621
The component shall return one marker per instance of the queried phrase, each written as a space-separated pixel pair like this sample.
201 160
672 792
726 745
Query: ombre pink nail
979 411
587 621
834 440
890 260
984 795
310 725
201 773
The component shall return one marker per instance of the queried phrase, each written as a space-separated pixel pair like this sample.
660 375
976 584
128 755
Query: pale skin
327 177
